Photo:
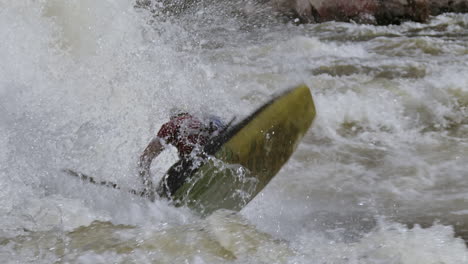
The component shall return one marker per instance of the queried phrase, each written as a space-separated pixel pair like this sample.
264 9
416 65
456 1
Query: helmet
177 111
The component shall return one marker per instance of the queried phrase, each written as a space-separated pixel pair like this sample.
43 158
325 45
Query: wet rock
437 7
359 11
381 12
397 11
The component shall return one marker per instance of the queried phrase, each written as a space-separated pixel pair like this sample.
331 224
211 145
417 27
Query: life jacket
188 133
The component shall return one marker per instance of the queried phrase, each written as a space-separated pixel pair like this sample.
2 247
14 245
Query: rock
437 7
397 11
340 10
382 12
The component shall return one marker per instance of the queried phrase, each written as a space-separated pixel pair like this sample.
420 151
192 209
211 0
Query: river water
381 177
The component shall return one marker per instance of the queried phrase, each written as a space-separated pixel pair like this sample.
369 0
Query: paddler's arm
154 148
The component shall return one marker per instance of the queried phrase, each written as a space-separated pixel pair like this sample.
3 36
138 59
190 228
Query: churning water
381 177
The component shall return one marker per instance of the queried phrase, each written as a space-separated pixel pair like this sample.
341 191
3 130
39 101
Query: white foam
86 84
390 243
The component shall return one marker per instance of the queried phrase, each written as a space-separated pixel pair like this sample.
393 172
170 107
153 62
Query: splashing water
380 177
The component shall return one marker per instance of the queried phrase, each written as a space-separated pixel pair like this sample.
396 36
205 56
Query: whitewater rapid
381 177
